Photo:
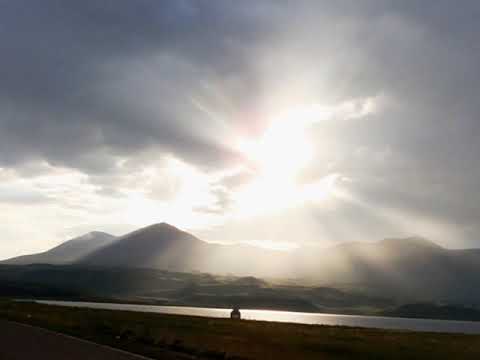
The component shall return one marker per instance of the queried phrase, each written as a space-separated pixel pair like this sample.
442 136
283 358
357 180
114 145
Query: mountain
68 252
410 269
163 246
155 246
407 269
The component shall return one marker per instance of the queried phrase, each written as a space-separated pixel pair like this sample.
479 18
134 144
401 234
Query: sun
281 152
276 159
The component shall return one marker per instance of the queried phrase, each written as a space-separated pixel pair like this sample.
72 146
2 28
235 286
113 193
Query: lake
448 326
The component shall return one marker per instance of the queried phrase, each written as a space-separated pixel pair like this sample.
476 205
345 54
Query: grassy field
205 338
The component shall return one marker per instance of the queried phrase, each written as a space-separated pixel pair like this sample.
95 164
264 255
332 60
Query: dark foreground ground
24 342
163 336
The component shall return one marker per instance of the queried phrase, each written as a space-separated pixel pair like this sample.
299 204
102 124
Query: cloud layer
116 111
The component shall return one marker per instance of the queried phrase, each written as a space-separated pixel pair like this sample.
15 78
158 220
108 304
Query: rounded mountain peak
163 226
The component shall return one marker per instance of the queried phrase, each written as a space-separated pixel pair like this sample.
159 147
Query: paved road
23 342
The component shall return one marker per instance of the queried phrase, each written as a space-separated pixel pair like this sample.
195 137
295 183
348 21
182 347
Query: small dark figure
235 314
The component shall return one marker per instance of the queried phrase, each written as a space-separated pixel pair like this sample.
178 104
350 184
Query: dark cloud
59 60
87 84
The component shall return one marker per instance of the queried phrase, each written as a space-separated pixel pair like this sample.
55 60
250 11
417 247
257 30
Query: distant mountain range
67 253
409 268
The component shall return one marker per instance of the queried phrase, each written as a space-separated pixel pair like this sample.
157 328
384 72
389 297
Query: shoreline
150 334
379 314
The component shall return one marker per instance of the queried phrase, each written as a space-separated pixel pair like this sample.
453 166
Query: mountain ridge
411 268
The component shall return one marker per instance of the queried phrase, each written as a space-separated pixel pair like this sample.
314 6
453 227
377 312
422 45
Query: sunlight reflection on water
448 326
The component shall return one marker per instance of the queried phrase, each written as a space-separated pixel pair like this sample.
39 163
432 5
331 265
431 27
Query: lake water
467 327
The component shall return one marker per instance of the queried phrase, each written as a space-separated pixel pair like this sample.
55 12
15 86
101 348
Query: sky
276 123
